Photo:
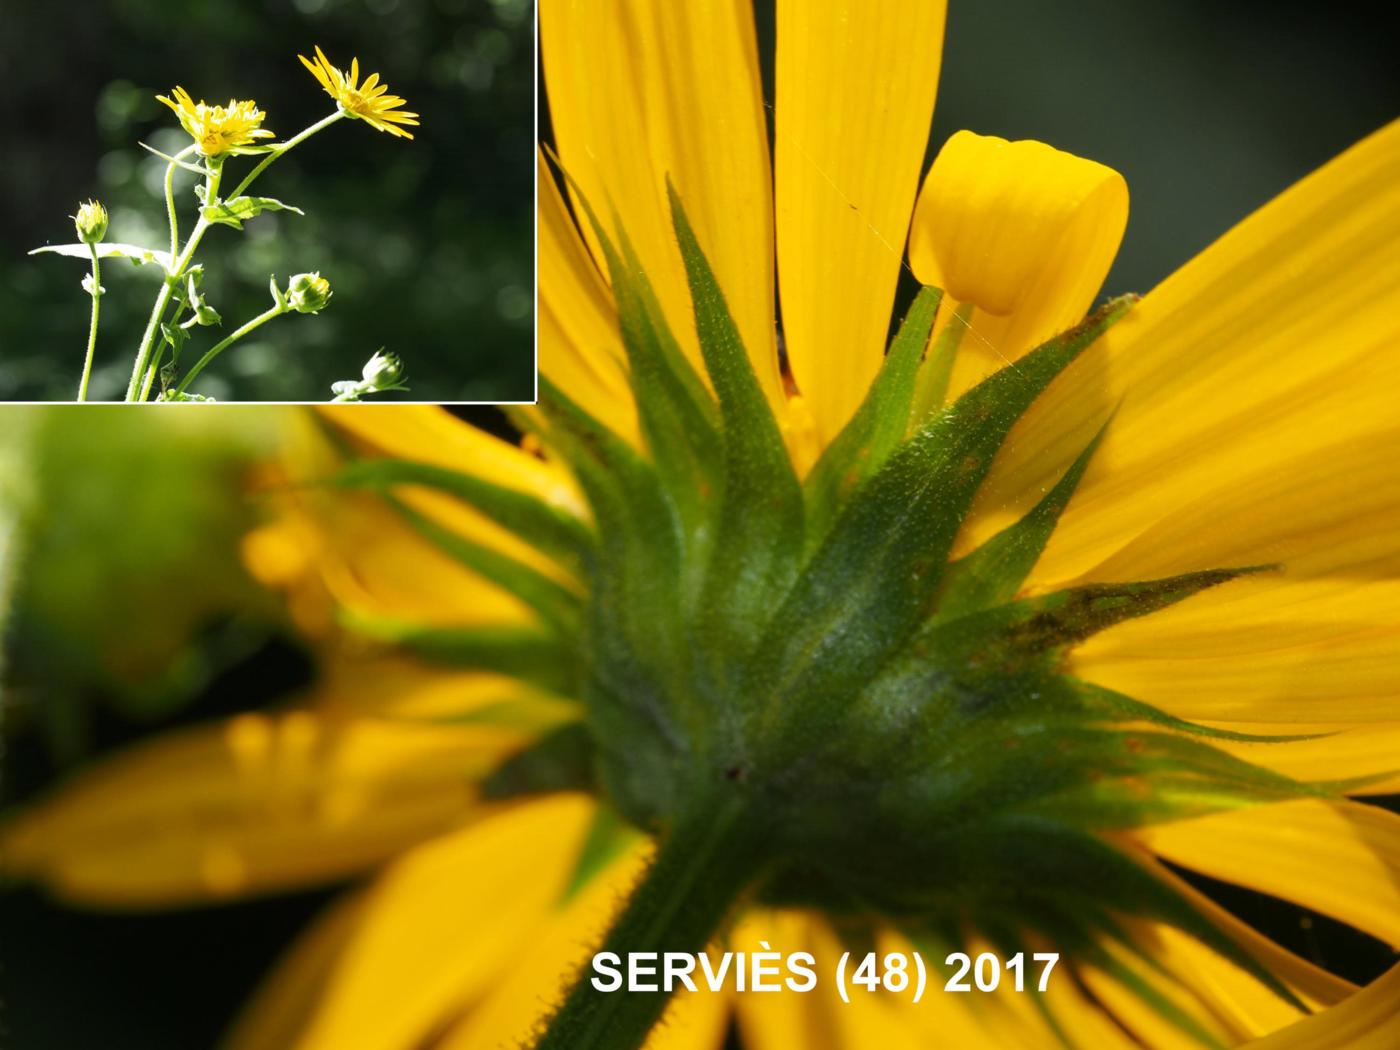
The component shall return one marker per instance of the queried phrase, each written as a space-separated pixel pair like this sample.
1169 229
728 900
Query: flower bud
308 293
91 222
383 371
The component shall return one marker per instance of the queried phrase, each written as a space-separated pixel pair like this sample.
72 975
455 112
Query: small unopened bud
91 222
383 371
308 293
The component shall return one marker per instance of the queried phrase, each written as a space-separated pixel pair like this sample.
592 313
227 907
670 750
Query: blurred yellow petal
640 90
1271 347
1339 858
1267 650
256 804
431 434
542 963
287 996
1023 232
1368 1020
580 345
855 84
362 553
438 928
396 686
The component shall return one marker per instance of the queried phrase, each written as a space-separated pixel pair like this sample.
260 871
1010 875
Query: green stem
170 198
701 869
153 369
172 278
283 147
92 328
267 315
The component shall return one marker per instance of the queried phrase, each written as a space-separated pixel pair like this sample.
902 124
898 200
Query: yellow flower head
217 130
369 101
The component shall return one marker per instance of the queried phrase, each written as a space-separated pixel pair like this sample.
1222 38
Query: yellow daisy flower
217 130
906 649
369 101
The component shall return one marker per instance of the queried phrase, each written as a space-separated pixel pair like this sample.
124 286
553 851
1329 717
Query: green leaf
526 653
556 605
873 581
110 250
635 631
562 760
552 530
608 838
865 443
198 169
758 539
678 415
994 572
234 212
1036 631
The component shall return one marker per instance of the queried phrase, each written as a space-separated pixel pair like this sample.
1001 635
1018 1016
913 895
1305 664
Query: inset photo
276 201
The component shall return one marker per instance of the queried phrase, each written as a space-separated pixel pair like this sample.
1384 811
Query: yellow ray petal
639 91
1024 232
288 994
1342 753
1338 858
431 434
854 97
779 1021
1137 1015
1366 1021
1265 649
1313 985
1273 344
395 686
439 927
251 805
815 1020
360 552
522 997
580 346
1245 1007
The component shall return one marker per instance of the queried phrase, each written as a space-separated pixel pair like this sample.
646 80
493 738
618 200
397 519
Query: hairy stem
92 327
172 278
283 147
276 310
700 870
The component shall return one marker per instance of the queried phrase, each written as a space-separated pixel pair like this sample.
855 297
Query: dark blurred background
428 244
1209 110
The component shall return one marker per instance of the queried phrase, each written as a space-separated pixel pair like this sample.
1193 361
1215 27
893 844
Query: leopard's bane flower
218 130
369 101
953 646
91 222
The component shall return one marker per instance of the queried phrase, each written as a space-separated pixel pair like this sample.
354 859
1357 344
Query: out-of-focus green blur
122 579
428 244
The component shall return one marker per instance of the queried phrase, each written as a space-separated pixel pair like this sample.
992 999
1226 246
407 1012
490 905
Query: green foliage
435 263
127 578
234 212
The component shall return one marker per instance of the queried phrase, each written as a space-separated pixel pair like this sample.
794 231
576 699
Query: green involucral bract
894 731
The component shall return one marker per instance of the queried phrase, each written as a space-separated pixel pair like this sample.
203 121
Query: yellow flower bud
91 222
308 293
